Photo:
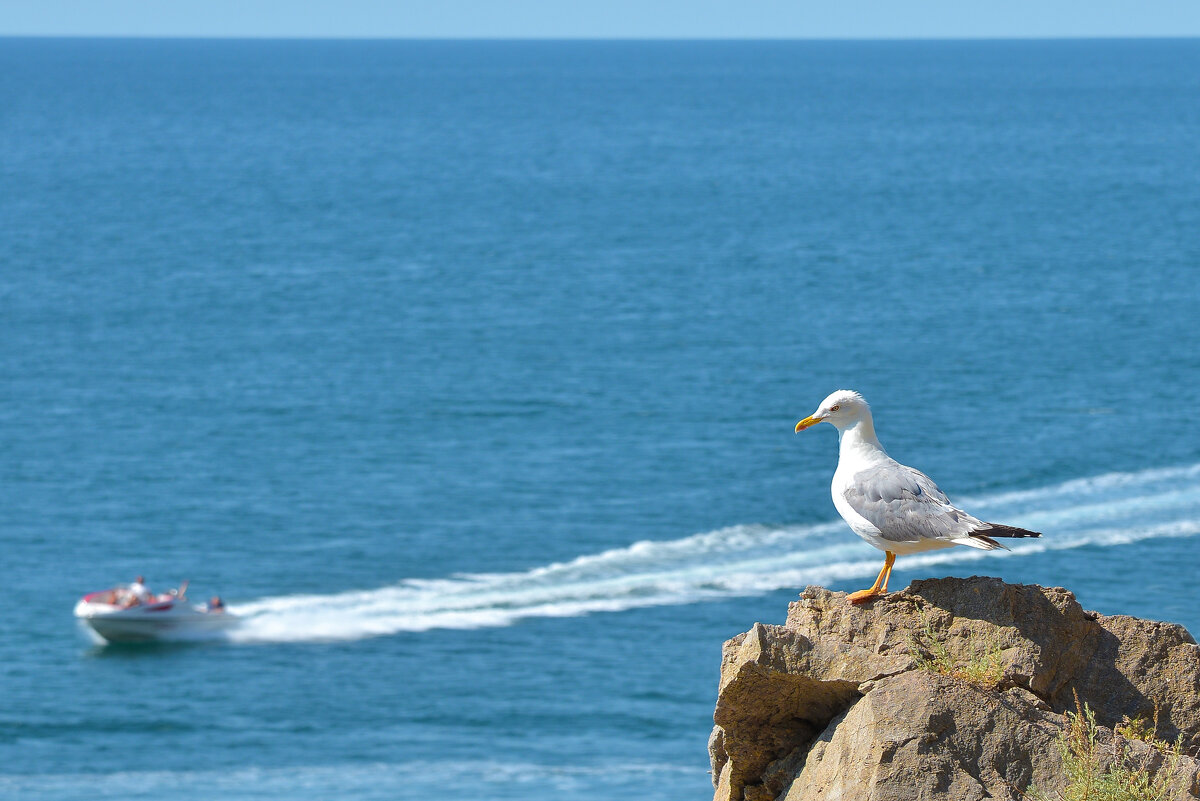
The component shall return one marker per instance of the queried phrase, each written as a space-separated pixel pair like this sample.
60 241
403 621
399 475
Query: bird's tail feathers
982 539
981 542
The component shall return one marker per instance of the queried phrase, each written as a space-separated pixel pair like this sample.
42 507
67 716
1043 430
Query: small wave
1108 510
373 780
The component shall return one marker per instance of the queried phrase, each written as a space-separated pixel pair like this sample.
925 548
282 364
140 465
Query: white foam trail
1107 510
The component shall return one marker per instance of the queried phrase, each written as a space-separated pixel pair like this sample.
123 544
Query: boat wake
1107 510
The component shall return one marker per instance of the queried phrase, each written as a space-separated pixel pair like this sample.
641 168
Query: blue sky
602 18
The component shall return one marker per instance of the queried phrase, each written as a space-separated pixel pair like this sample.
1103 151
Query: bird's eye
834 408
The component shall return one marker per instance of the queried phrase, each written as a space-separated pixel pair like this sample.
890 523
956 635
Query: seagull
897 509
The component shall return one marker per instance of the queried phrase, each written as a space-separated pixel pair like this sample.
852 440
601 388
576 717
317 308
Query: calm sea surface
467 372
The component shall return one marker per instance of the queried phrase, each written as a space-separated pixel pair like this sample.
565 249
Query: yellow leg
887 565
879 587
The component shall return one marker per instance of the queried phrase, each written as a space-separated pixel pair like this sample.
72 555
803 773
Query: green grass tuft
982 666
1098 772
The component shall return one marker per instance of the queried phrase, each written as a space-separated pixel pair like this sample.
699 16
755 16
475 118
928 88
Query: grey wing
906 506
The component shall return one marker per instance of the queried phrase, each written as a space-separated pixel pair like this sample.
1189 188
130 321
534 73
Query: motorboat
118 615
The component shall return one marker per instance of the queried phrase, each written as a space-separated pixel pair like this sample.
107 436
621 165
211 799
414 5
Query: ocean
467 373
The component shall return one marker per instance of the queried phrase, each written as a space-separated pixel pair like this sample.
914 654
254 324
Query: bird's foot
862 596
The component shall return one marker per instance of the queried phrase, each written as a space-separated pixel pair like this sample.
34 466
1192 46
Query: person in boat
138 593
216 605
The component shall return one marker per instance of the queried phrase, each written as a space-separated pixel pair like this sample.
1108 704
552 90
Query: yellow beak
807 422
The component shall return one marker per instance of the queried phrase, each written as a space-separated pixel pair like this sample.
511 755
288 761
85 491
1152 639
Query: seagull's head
842 410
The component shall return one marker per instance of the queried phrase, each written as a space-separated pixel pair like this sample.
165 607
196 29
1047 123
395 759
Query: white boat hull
165 620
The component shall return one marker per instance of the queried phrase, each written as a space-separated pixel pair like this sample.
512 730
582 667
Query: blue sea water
467 372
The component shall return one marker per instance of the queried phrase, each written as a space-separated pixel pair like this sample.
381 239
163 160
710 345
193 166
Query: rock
770 704
840 703
919 735
1140 663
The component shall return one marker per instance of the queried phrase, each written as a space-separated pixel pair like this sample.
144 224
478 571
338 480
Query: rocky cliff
951 689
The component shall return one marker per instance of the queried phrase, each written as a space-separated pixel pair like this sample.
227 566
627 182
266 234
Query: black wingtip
997 530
